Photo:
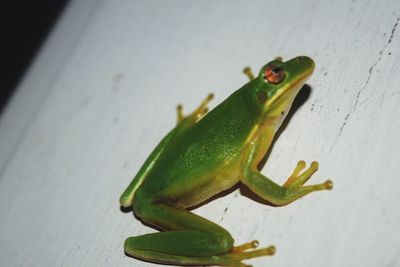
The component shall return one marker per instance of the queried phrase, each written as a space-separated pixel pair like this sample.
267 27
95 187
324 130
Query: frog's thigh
186 234
176 247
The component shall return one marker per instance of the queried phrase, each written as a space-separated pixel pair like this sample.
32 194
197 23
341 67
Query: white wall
103 92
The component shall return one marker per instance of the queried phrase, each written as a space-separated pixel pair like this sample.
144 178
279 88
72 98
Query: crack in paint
370 73
227 207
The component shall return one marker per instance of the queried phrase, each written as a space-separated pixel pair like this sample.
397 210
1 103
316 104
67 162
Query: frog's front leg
188 239
249 73
262 186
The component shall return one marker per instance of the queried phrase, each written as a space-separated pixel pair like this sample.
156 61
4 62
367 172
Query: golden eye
273 74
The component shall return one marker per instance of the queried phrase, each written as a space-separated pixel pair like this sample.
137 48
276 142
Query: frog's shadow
300 99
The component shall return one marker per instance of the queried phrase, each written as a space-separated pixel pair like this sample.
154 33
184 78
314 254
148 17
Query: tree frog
207 153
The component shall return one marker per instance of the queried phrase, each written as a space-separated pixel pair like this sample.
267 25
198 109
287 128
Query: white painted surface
103 92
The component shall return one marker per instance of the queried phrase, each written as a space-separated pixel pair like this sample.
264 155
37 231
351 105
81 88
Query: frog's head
280 82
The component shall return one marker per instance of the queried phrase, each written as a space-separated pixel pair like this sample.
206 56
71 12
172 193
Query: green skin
207 153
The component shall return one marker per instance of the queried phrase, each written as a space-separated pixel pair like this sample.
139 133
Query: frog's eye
273 74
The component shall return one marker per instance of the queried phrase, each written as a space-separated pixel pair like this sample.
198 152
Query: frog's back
205 153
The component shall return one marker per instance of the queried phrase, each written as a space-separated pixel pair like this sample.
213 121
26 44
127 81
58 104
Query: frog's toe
246 246
179 111
209 97
328 185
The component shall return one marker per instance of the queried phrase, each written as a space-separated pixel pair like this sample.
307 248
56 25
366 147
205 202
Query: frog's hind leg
199 112
188 239
137 247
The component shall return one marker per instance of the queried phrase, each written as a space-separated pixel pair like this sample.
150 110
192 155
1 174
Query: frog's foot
239 253
199 112
297 180
249 73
